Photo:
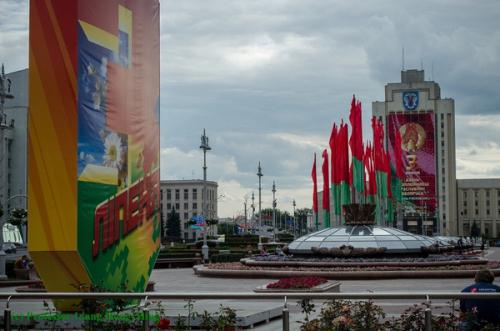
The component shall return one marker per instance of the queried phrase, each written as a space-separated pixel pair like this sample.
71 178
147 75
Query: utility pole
294 220
274 212
205 147
260 174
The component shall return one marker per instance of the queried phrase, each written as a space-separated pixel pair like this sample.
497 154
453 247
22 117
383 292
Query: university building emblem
410 100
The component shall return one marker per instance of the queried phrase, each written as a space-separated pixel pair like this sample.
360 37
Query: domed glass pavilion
361 236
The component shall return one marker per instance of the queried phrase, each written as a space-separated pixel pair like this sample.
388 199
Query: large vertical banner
94 142
419 158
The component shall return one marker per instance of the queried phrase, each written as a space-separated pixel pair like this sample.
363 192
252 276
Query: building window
186 194
475 203
195 205
465 203
442 134
186 205
442 144
186 226
465 211
487 194
161 195
442 117
442 125
487 211
476 194
169 206
487 202
177 194
465 195
169 194
186 216
195 194
177 207
477 212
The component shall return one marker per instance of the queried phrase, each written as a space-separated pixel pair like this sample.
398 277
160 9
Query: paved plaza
185 281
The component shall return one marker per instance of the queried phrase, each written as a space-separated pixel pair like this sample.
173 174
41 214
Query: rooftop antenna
403 59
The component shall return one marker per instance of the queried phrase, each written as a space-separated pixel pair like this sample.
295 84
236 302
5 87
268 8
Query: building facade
426 122
187 198
479 203
13 149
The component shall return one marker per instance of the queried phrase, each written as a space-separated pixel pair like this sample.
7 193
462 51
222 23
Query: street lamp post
253 210
4 94
205 147
245 204
260 174
294 219
274 212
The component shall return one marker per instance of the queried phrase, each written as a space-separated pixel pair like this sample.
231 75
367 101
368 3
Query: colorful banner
94 142
416 131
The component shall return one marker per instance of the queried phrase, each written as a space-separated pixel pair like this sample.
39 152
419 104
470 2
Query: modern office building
187 197
414 109
13 149
479 203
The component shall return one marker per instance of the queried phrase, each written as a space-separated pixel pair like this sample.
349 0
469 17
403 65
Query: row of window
194 194
178 206
476 194
476 203
177 193
476 212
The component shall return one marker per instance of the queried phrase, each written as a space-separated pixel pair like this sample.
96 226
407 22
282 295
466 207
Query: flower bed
297 283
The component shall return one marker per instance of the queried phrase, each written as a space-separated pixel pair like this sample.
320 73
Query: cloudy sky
267 78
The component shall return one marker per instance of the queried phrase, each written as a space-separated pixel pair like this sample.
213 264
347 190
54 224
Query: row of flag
357 172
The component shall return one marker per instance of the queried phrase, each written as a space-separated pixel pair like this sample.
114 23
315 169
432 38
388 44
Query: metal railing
426 296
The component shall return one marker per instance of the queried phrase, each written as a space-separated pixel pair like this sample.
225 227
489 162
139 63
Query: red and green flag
343 165
335 159
356 144
315 191
326 190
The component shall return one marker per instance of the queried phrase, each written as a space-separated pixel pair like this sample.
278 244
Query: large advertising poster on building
419 158
94 142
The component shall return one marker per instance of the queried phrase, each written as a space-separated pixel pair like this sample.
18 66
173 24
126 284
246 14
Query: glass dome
361 236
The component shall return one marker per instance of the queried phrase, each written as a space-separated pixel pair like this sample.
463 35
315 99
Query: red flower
164 324
297 282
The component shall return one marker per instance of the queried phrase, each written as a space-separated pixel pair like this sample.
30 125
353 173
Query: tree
301 215
173 226
267 217
162 228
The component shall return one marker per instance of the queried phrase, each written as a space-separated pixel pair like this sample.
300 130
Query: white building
187 197
415 97
479 202
13 146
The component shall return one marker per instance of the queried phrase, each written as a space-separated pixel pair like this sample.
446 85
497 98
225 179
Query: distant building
479 202
186 196
414 109
13 148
